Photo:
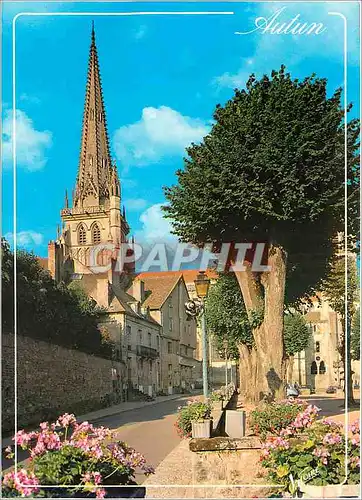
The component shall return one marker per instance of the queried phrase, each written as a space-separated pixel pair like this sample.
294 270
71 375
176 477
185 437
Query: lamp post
196 308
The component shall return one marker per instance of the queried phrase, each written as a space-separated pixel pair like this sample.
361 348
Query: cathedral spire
94 172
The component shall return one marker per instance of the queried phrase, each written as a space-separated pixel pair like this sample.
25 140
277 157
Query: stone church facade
91 218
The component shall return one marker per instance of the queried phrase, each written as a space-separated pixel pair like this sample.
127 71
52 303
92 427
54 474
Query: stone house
164 294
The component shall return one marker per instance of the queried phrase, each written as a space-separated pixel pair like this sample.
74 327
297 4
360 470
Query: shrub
193 411
270 418
81 458
313 452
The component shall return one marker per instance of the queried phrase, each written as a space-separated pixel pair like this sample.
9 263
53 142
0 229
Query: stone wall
50 380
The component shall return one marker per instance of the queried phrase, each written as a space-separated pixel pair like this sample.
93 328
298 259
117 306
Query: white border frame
162 13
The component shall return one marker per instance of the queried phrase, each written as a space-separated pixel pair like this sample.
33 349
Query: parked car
332 389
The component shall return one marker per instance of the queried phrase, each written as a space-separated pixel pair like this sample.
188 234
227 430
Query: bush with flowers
77 457
217 395
194 411
312 451
270 418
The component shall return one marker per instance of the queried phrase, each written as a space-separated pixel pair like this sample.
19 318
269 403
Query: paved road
150 430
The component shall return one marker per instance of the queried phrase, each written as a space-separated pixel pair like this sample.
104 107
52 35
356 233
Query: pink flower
24 482
322 453
355 427
332 438
355 439
66 420
100 493
355 461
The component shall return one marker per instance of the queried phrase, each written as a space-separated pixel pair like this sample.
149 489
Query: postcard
180 249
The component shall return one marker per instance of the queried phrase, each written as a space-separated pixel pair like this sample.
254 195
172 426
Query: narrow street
150 430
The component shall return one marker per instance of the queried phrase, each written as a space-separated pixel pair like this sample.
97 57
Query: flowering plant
77 456
217 395
271 418
312 451
193 411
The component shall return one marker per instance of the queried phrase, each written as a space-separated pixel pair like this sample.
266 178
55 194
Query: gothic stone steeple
95 172
95 216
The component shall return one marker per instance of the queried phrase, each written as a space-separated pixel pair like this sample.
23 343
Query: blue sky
162 77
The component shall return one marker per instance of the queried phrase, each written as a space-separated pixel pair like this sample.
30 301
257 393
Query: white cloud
29 98
154 225
31 144
238 79
135 204
141 32
25 238
273 50
160 132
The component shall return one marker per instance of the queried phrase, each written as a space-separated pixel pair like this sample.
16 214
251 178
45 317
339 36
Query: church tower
94 216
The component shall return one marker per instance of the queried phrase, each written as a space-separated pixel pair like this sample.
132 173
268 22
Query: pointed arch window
96 234
313 368
82 235
322 368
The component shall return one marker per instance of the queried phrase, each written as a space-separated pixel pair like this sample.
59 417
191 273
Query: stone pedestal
235 423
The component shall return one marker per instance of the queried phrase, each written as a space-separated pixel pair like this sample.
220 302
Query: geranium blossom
23 481
322 453
332 438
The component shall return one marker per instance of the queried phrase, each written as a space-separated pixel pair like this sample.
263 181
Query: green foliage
272 169
296 333
46 310
334 286
356 335
226 315
193 411
227 319
270 418
317 457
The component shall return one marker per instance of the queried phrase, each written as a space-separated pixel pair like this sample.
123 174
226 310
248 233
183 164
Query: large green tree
341 289
271 170
46 310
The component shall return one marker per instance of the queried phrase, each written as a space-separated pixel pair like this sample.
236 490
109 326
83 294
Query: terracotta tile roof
159 285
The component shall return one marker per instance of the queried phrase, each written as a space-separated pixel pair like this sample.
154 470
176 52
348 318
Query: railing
146 352
82 210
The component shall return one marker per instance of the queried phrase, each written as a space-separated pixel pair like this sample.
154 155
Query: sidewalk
113 410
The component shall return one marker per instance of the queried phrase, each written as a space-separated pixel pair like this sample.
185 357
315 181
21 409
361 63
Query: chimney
51 258
138 289
103 292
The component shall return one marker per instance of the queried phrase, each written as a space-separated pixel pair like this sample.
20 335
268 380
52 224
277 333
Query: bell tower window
82 235
96 234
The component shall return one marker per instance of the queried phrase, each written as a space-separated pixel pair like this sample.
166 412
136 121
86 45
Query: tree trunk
289 368
348 368
265 291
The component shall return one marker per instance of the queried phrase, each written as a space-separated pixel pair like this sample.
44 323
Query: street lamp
202 284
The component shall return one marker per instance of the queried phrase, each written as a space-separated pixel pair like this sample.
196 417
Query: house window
171 324
314 328
322 368
170 368
150 366
169 347
149 339
313 368
158 342
82 235
140 339
96 234
317 347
